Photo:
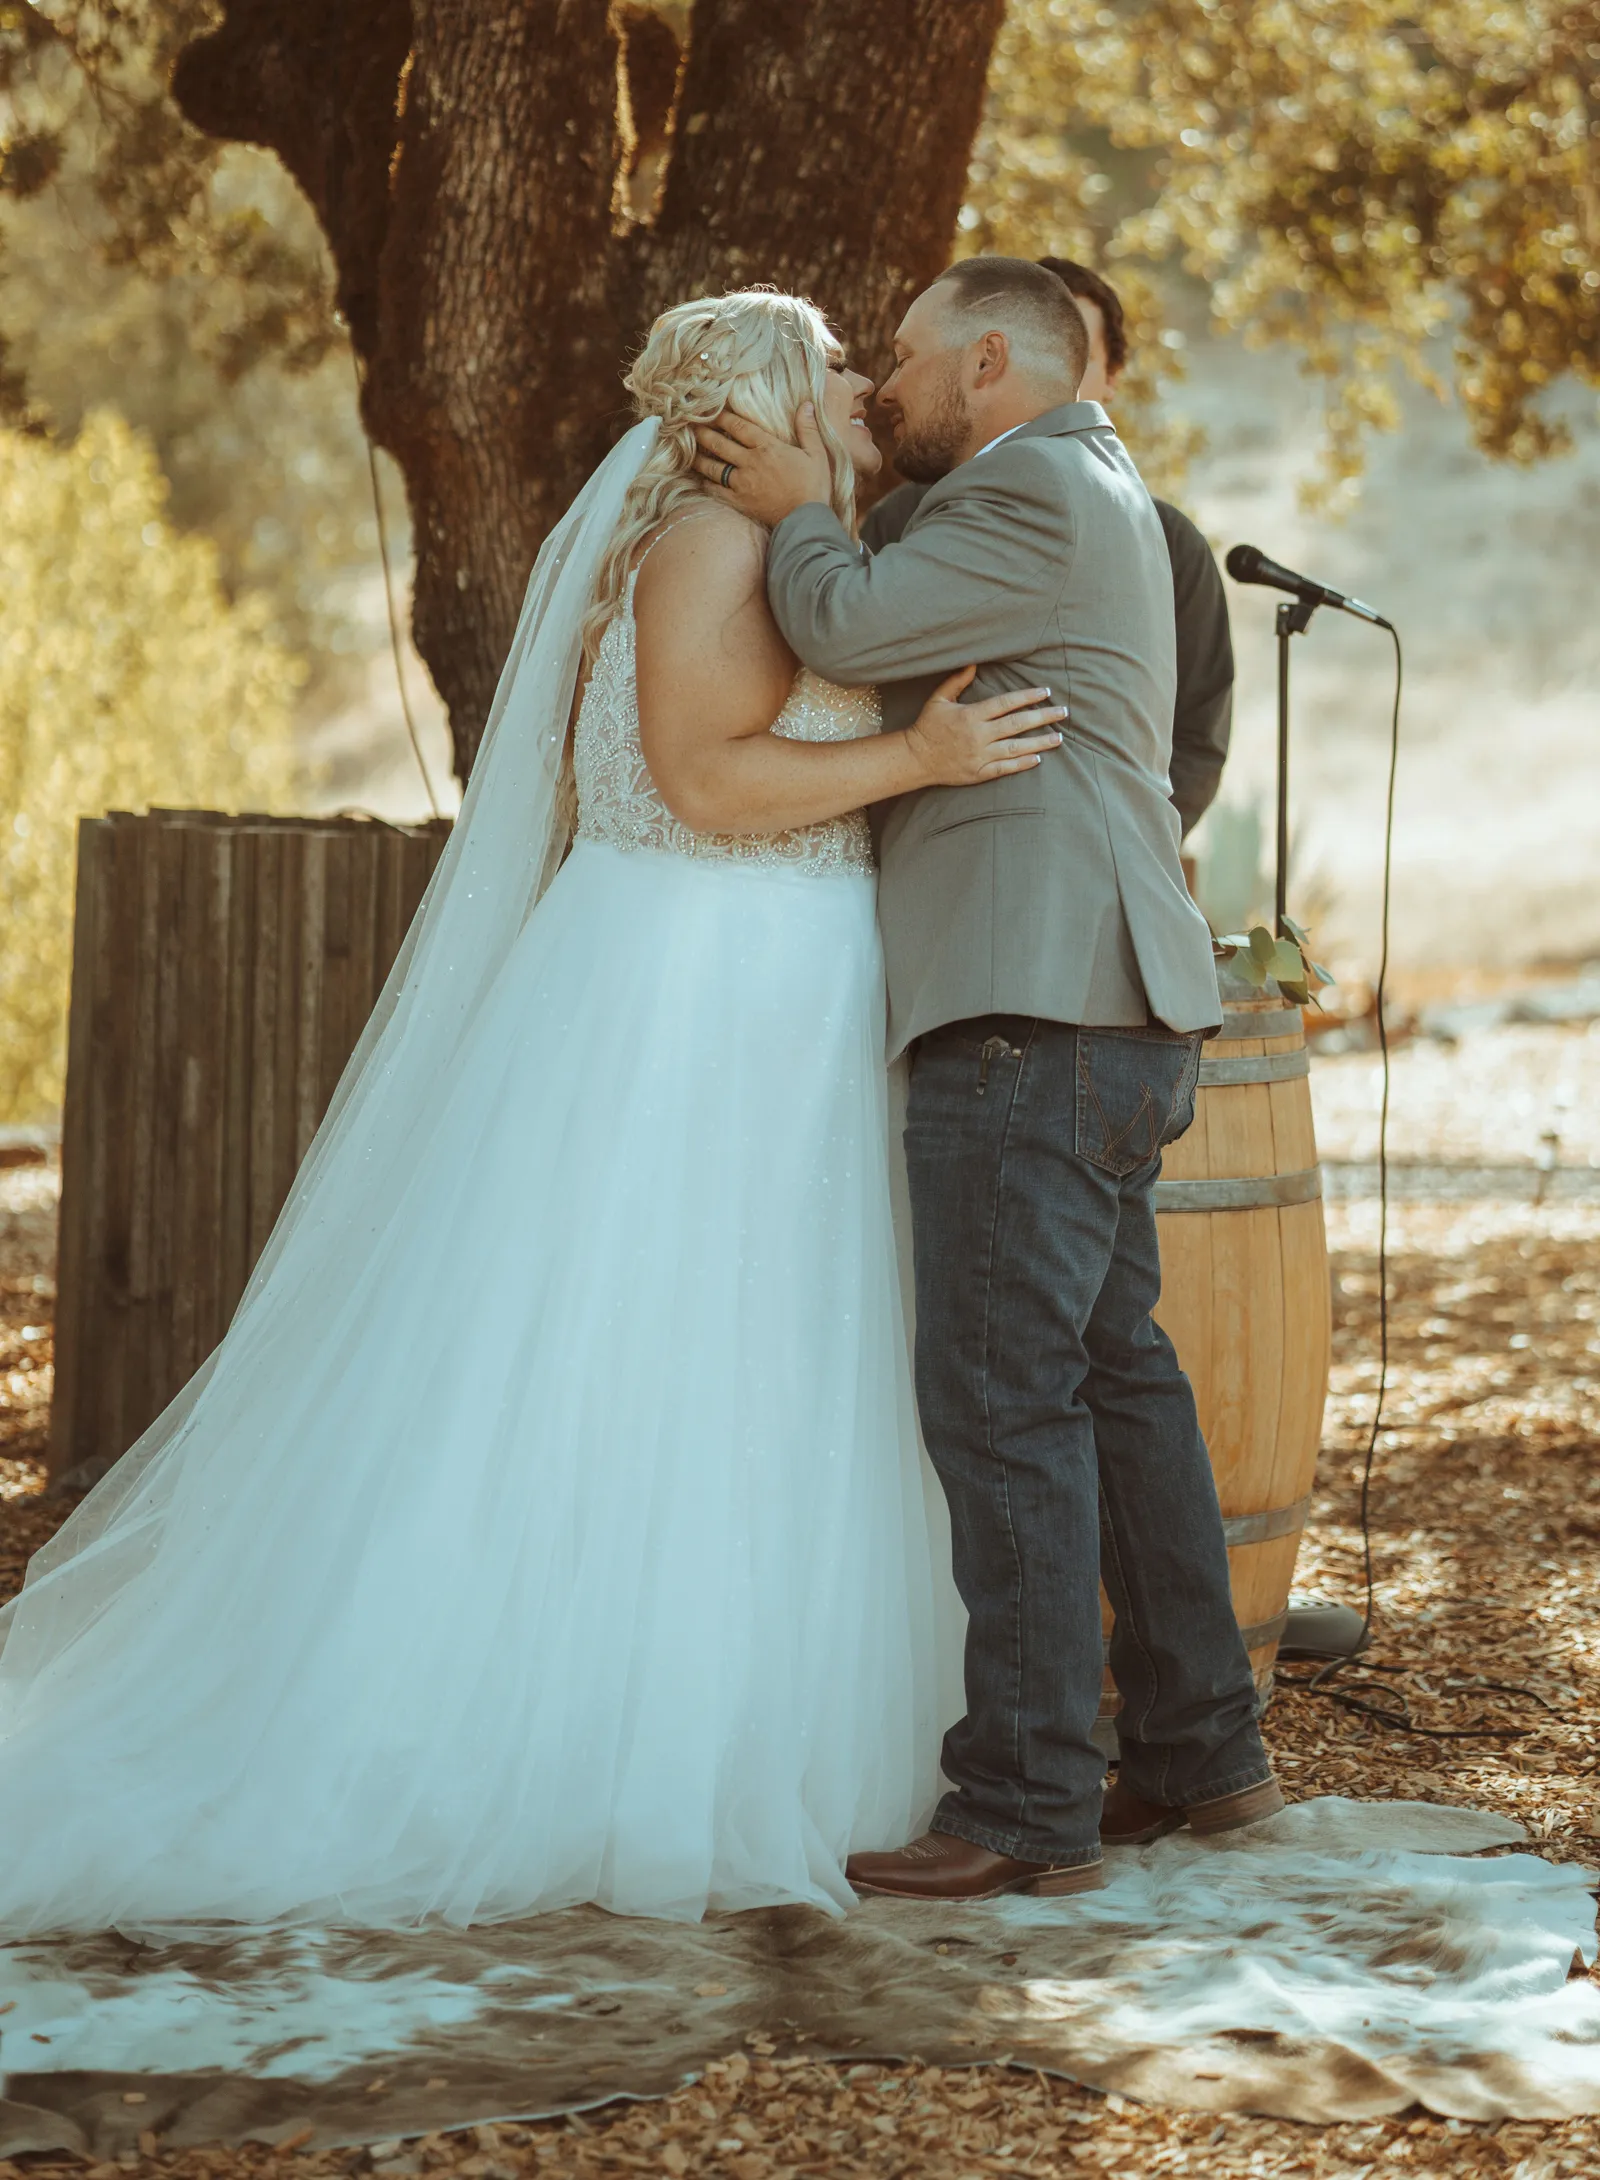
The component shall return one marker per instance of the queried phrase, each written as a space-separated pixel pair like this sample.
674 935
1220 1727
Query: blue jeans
1064 1432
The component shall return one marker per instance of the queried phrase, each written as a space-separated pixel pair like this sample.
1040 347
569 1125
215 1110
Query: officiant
1203 715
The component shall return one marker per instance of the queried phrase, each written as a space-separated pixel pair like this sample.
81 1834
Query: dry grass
1485 1514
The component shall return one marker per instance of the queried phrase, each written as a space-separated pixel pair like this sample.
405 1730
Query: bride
549 1527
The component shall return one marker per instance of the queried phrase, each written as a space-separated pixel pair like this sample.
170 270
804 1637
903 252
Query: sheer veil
503 851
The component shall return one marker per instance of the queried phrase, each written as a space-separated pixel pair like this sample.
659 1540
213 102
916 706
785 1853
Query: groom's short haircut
1014 296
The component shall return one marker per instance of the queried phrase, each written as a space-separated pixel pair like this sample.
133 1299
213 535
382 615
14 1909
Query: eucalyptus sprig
1258 955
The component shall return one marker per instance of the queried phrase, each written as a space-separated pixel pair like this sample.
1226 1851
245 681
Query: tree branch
318 85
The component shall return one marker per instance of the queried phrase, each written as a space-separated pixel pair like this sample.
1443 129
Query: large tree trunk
481 183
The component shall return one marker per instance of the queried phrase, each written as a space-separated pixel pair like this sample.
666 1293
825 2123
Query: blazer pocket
987 817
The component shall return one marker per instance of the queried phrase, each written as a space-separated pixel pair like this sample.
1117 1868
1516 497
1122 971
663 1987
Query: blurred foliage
1354 177
83 97
127 676
145 266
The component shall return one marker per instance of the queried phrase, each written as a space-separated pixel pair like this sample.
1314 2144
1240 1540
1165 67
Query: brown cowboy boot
938 1866
1126 1821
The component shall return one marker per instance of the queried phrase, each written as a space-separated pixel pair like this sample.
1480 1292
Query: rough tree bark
480 168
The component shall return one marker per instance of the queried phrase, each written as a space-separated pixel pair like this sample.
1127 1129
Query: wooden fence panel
223 971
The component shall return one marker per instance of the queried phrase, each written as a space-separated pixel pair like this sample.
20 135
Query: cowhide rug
1339 1961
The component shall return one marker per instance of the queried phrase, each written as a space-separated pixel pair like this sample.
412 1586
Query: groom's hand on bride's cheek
763 477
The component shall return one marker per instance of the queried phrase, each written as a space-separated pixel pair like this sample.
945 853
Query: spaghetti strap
666 530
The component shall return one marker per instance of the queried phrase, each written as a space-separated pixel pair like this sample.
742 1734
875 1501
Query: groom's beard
933 448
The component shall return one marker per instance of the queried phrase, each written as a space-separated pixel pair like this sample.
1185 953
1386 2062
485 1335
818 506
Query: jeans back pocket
1135 1093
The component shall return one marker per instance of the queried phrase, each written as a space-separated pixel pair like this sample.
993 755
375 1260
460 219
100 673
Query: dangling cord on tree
335 200
395 644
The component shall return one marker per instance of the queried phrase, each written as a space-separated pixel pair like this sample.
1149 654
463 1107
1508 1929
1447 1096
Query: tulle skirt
558 1532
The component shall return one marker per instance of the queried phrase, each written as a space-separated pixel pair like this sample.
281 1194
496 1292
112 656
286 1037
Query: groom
1053 983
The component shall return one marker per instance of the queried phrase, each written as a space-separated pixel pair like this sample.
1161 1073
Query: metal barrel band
1268 1022
1261 1067
1253 1638
1264 1632
1273 1521
1257 1192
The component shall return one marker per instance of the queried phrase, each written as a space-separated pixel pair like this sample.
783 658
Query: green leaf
1295 932
1262 945
1252 971
1287 963
1323 976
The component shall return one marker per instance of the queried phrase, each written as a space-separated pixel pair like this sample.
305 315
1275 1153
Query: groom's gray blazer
1053 892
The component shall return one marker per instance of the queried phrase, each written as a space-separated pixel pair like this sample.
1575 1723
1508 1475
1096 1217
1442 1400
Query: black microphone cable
1381 1015
1398 1718
1318 1683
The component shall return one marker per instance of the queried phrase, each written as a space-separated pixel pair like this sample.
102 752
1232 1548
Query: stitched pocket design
1133 1095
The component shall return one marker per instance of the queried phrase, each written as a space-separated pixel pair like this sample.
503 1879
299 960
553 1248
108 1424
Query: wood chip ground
1485 1516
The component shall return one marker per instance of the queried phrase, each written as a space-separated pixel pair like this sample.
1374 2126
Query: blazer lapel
1071 416
1057 423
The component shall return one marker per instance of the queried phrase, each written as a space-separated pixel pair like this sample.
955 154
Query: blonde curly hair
758 351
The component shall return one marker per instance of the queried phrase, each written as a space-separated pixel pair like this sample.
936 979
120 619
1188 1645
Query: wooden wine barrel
223 969
1245 1298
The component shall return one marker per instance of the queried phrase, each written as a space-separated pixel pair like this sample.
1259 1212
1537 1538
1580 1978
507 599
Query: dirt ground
1485 1512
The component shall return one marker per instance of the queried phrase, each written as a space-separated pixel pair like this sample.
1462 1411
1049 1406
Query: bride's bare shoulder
705 548
706 635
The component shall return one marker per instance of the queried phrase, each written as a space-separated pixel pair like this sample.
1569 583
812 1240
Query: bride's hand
959 745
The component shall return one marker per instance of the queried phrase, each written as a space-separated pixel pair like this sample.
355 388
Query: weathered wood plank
267 855
235 1256
223 970
82 1150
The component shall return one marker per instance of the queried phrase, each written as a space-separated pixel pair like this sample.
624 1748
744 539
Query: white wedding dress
551 1526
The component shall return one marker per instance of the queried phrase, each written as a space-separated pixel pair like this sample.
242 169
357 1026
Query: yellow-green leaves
126 677
1350 176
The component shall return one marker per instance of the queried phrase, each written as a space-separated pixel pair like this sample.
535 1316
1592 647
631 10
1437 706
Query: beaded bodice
618 801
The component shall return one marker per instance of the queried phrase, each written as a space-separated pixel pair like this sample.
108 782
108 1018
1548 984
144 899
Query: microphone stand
1327 1634
1316 1629
1293 620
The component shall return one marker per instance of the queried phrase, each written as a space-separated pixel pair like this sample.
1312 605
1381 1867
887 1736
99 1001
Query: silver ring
727 472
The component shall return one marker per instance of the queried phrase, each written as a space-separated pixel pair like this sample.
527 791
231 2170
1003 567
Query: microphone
1249 564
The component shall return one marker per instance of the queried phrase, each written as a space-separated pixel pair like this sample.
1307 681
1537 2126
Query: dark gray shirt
1203 716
